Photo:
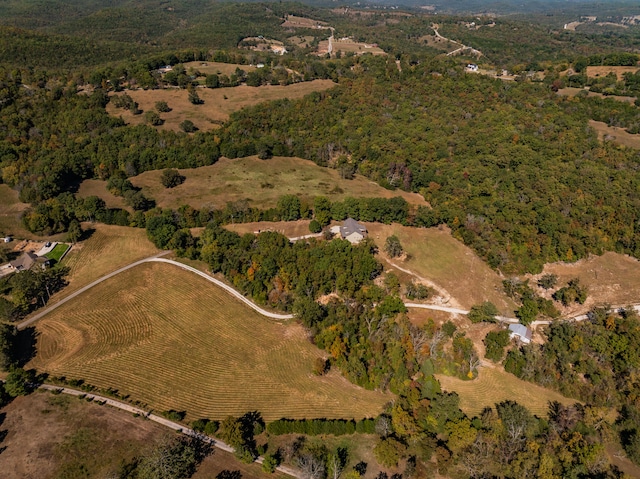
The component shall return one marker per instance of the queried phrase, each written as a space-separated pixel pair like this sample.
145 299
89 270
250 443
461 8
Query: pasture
55 436
218 104
98 188
438 257
349 46
600 71
292 21
261 182
494 385
217 68
11 209
615 134
172 340
610 279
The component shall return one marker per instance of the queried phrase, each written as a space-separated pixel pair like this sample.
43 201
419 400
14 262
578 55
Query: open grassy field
346 46
435 255
175 341
107 249
290 229
615 134
51 436
611 278
494 385
573 91
292 21
600 71
216 68
99 188
261 182
218 104
11 209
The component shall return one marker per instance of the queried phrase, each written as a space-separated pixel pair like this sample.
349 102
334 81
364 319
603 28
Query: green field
175 341
57 252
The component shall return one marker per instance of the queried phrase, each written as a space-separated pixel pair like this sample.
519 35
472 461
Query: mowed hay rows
495 385
108 249
174 341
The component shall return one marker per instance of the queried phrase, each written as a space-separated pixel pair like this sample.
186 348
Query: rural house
521 332
28 260
353 231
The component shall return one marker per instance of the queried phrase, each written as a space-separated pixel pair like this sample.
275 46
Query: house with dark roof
520 332
28 260
353 231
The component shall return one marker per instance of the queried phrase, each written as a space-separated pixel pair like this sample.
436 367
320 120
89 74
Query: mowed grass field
218 104
494 385
261 182
435 255
107 249
173 340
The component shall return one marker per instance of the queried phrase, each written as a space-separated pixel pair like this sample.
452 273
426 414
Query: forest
511 168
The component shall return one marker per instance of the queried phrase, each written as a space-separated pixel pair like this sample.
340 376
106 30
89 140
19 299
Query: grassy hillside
172 340
262 182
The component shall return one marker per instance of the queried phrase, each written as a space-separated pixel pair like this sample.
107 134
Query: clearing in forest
172 340
436 256
217 68
615 134
601 71
347 45
610 279
261 182
98 188
292 21
11 209
494 385
218 104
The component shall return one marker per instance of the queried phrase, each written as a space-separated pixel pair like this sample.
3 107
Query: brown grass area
262 182
175 341
600 71
438 43
494 385
11 209
301 41
435 255
54 435
301 22
108 249
573 91
216 68
39 427
347 46
615 134
290 229
216 108
611 278
99 188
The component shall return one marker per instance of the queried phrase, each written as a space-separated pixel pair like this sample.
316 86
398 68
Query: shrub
162 107
188 127
171 178
315 226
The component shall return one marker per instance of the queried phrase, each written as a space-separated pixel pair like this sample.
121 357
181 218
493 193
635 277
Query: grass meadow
172 340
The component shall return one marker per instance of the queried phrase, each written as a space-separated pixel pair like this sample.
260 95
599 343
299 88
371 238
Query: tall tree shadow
25 346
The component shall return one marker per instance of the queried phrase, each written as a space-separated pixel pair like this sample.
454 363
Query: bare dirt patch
218 104
261 182
615 134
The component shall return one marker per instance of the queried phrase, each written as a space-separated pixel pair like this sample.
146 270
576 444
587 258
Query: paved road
160 420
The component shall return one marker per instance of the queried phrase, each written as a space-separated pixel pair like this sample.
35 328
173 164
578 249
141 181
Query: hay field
99 188
175 341
218 104
11 209
107 249
435 255
261 182
290 229
494 385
